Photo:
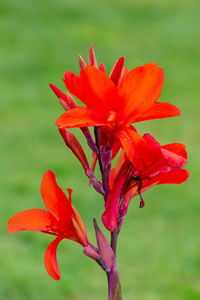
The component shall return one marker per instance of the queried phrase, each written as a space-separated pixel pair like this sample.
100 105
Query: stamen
112 116
139 185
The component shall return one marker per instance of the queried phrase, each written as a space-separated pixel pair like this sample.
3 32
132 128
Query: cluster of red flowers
112 104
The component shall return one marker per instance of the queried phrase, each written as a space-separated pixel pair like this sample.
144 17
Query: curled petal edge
50 259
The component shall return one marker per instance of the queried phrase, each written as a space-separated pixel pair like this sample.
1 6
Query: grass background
158 248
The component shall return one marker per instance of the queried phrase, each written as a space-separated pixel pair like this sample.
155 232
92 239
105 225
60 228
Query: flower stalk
114 285
113 242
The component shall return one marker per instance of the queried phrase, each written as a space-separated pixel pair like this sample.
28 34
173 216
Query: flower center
112 118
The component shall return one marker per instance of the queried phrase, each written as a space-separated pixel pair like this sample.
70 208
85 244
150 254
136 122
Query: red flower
117 101
60 219
148 164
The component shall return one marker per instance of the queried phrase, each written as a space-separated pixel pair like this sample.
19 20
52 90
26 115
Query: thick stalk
104 177
114 285
113 243
89 139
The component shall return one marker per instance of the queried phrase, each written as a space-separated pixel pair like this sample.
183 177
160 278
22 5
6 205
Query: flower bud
91 57
66 100
74 145
82 63
116 71
91 252
106 252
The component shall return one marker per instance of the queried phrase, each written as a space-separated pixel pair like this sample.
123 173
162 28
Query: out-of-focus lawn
159 254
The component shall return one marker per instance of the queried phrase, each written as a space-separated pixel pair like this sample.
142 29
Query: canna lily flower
60 219
67 101
154 165
115 102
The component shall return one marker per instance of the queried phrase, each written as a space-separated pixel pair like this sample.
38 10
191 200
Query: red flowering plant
112 104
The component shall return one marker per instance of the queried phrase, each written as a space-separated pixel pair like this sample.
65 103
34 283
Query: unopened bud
66 100
106 252
74 145
102 67
91 252
82 63
117 70
94 181
91 57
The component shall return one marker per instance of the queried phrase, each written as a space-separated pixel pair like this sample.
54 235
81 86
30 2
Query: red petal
111 178
110 216
132 142
78 117
116 70
94 161
127 198
152 156
140 89
54 198
173 177
177 148
174 160
124 73
31 219
120 164
102 67
72 82
165 158
159 110
94 88
50 259
116 147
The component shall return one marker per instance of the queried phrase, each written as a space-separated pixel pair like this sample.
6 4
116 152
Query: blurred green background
158 251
